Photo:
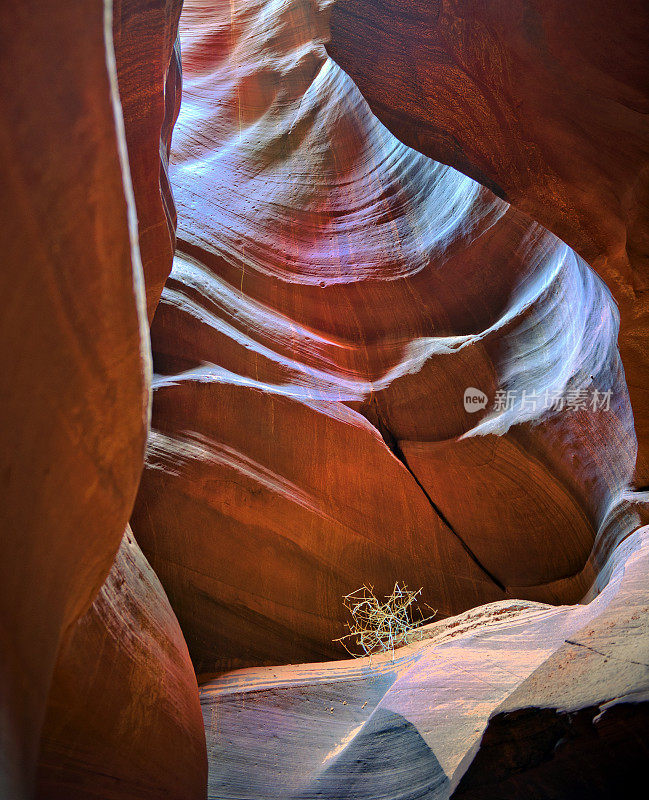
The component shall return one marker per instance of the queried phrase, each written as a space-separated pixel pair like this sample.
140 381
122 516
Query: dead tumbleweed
380 627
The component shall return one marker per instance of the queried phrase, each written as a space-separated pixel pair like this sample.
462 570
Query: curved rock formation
369 368
334 295
409 728
548 108
74 357
123 719
147 54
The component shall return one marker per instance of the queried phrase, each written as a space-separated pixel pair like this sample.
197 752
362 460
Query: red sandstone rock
74 364
334 295
577 727
149 74
546 106
123 719
256 540
409 728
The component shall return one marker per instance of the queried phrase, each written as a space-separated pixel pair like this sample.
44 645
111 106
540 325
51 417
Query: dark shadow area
387 759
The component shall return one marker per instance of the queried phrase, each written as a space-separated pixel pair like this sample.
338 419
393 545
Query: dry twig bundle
378 627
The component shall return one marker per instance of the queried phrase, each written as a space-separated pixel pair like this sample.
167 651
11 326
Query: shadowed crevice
392 443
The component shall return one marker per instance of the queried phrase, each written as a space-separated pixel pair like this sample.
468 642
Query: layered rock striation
368 366
546 107
334 295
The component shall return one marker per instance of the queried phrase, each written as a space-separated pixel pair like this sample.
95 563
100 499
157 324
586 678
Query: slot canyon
302 296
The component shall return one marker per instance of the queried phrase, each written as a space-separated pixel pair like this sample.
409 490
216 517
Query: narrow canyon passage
334 294
300 296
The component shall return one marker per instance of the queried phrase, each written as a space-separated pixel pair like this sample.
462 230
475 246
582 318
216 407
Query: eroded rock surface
578 725
334 295
123 719
74 360
81 99
147 55
409 728
547 107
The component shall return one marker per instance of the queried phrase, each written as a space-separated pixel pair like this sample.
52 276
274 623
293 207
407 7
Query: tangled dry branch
379 627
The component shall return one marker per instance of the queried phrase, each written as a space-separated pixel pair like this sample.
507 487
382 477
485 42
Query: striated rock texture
566 686
334 295
74 356
147 54
577 727
123 718
547 107
368 367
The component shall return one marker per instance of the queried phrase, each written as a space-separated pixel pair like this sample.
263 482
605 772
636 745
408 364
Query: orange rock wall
545 105
74 364
123 718
334 294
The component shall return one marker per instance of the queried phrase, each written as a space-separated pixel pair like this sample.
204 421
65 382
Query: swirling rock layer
546 107
334 295
369 367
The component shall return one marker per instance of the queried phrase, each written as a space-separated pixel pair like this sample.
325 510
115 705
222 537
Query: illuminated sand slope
565 687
